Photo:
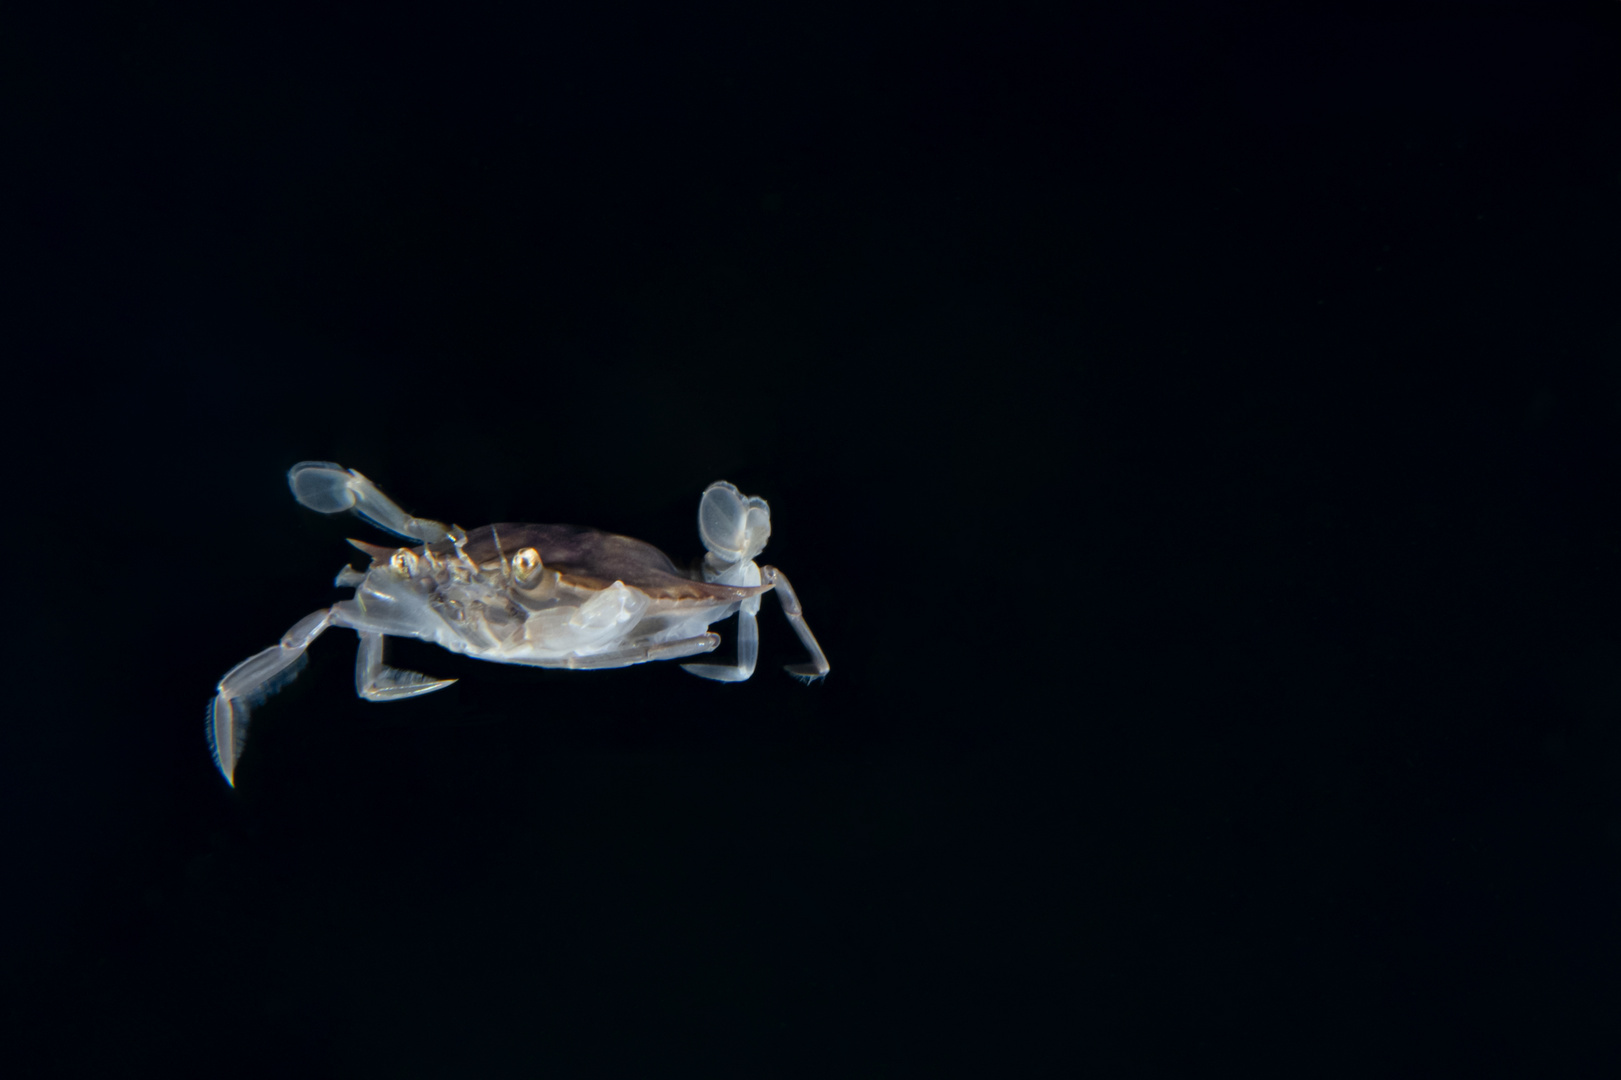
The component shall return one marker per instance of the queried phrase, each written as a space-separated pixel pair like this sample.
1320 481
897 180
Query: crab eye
404 562
525 564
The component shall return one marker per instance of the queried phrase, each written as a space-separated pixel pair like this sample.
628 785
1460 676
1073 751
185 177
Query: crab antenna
506 567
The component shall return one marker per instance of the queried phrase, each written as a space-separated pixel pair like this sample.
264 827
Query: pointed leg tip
392 685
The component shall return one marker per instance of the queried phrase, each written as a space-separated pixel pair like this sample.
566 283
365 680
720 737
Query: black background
1192 431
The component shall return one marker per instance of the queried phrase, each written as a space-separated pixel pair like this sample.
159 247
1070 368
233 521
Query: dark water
1194 439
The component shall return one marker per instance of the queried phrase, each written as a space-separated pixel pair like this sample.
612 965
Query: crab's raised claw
734 527
249 683
376 681
328 488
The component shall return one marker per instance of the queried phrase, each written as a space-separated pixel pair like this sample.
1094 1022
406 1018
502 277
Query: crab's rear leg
748 648
376 681
329 488
250 682
818 665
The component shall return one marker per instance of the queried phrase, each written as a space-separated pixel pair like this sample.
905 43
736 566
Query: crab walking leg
328 488
748 649
376 681
818 665
255 678
670 650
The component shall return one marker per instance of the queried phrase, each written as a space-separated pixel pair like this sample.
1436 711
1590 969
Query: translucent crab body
544 595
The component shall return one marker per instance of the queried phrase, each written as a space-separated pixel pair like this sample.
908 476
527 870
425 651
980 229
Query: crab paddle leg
818 665
250 682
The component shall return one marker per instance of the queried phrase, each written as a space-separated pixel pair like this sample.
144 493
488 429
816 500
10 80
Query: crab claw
734 527
328 488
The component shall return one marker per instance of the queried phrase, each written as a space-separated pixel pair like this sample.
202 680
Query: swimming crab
557 596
